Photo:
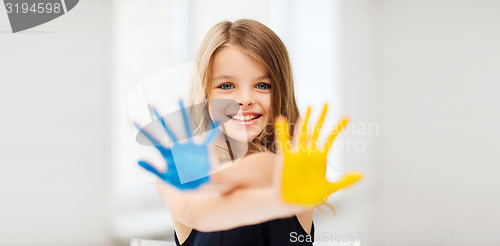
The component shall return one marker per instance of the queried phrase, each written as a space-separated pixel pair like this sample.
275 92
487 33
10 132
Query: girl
247 63
246 66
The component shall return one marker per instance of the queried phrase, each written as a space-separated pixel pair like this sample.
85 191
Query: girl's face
247 85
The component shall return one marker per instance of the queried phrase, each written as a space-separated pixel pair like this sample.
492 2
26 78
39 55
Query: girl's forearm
243 206
254 170
213 211
254 198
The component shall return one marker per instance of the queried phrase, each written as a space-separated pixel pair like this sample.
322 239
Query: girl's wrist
277 201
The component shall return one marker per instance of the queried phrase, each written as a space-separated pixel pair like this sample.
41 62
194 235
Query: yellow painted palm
303 178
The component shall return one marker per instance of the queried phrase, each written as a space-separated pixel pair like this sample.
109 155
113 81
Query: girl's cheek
216 95
267 103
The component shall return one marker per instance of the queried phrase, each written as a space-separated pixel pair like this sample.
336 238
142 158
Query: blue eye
226 86
263 86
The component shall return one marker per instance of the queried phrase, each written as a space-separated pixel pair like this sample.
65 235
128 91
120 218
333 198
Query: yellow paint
304 169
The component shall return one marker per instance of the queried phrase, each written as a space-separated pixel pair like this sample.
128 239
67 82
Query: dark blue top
278 232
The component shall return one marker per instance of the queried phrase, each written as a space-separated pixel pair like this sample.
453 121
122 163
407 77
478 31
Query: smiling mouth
244 118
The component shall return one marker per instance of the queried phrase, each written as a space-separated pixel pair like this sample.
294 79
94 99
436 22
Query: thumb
347 180
149 168
278 169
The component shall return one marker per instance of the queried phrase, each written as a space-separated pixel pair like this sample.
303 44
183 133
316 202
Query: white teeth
244 117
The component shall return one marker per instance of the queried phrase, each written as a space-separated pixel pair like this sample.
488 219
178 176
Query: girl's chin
242 137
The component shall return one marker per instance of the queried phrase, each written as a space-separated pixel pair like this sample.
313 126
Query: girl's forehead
232 59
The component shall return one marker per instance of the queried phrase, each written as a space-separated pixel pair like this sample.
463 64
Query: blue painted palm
188 162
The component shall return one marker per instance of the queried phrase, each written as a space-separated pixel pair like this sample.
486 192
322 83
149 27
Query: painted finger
150 168
170 133
282 136
340 126
304 127
152 139
345 181
213 133
319 125
187 124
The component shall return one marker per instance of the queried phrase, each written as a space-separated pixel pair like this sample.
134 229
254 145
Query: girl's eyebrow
223 77
232 77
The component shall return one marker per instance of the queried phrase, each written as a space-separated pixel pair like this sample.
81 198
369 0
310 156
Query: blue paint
188 163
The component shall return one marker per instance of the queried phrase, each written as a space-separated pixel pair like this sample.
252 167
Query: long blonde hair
262 44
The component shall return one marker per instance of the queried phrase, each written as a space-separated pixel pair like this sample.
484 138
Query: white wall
427 72
54 143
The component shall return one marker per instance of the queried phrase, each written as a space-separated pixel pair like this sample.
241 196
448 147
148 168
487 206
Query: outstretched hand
188 163
303 177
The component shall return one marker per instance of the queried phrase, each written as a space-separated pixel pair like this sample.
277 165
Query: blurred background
419 79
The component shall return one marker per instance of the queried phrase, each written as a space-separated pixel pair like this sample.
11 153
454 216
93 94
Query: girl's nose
246 99
246 102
